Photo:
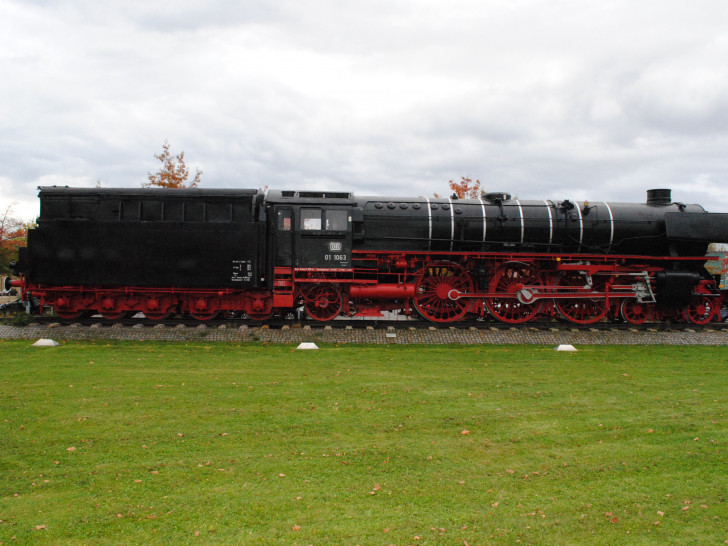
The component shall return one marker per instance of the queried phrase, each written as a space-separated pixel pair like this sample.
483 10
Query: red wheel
157 308
67 307
322 302
518 303
261 307
585 310
108 307
701 310
636 312
202 308
434 288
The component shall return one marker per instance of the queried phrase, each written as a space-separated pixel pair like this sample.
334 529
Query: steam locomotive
250 253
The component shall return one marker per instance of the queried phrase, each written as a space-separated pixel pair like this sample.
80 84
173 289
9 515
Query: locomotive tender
206 252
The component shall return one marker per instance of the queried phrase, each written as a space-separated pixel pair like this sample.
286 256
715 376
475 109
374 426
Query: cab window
311 219
337 220
284 220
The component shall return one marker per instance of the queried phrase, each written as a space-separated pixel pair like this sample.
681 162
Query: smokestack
660 197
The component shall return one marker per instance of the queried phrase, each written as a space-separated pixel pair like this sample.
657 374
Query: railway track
379 324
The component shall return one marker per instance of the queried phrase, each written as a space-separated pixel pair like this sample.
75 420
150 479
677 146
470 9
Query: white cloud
539 98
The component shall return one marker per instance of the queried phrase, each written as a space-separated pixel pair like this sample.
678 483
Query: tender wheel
636 312
701 310
581 310
517 303
202 308
67 307
322 302
433 289
157 308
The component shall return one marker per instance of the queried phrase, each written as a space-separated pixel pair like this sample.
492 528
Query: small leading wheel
517 304
700 310
435 286
322 302
636 312
586 310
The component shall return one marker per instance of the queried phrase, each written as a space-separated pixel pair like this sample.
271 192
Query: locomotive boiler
256 254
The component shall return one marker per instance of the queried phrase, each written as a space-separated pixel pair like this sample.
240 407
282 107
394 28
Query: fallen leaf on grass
296 527
40 527
72 448
465 432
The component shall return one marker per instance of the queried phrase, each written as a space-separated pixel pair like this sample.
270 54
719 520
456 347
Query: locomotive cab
310 231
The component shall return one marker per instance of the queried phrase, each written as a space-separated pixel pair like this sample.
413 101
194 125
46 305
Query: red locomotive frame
442 287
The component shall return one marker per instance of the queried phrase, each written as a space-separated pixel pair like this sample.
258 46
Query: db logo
334 246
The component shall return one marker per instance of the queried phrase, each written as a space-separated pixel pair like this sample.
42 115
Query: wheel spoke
582 310
433 287
508 281
636 312
700 310
322 302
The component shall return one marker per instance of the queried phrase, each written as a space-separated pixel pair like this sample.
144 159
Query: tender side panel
152 254
156 238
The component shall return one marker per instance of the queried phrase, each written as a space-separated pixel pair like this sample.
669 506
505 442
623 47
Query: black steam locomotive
204 253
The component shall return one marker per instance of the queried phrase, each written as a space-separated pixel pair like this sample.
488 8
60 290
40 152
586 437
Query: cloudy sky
541 98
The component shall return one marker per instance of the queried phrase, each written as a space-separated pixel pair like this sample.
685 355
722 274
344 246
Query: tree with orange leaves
173 173
466 188
13 234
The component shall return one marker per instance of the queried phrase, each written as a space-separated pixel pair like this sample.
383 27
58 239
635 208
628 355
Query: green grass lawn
166 442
